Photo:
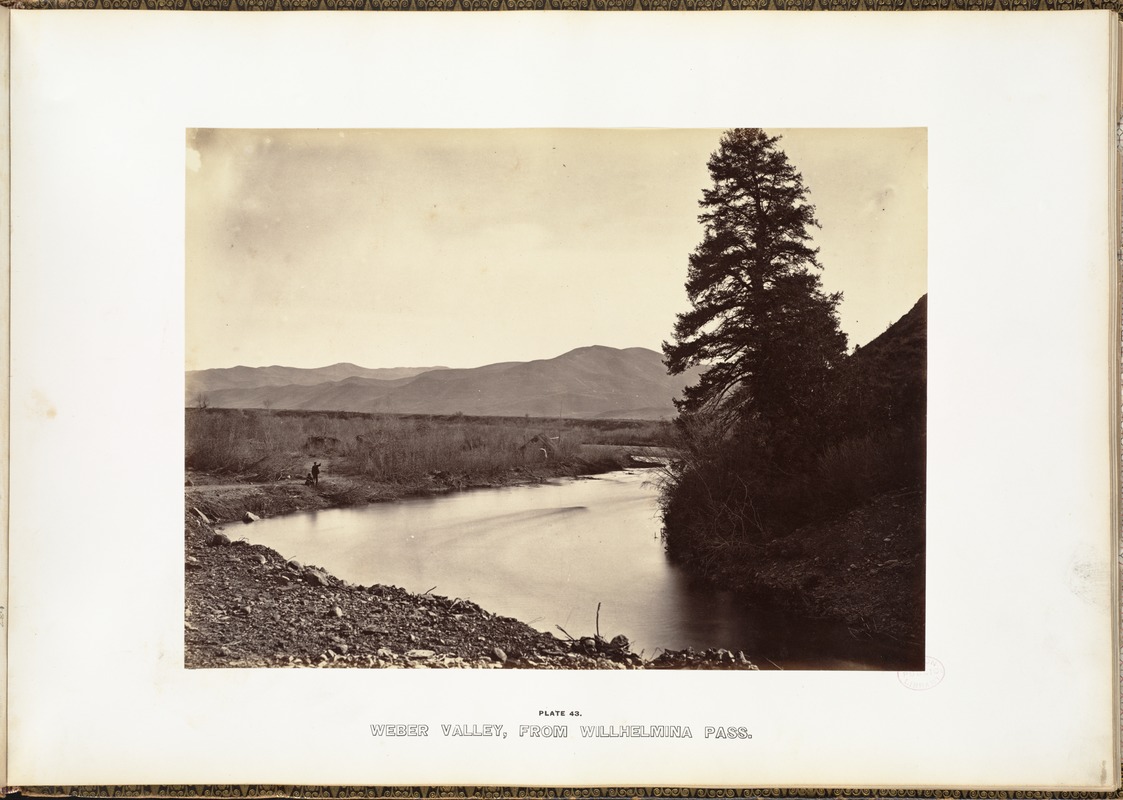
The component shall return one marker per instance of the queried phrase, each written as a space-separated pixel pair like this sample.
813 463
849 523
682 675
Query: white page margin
1019 321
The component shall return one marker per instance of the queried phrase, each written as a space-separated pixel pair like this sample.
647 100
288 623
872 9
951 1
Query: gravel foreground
249 606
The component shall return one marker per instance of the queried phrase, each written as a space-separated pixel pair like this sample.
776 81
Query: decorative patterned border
572 5
505 793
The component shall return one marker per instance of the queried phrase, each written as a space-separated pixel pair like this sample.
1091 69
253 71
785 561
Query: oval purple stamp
919 681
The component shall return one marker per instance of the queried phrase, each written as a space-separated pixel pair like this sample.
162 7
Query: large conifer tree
761 325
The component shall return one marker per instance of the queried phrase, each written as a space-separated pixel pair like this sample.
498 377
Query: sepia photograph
556 398
538 427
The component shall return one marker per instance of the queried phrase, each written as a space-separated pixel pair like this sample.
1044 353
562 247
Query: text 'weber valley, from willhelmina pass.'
556 399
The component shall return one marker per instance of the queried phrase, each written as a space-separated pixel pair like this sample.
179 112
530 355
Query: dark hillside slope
842 534
891 372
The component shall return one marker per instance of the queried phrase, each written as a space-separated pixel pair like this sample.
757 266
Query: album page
606 400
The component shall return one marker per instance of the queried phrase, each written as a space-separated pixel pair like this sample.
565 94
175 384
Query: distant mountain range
589 382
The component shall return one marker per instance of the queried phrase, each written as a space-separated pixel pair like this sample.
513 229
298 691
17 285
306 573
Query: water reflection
548 555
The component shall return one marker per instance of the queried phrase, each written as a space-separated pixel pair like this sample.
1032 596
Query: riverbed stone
249 517
219 540
268 616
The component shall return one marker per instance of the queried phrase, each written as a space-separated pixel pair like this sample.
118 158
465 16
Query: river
547 555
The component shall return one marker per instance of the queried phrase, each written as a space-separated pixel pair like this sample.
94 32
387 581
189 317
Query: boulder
337 612
498 654
420 654
249 517
316 578
219 540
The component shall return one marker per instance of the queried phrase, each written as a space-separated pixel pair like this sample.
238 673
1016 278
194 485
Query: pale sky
391 248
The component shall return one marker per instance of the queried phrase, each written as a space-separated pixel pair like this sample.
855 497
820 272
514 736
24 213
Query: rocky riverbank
864 569
249 606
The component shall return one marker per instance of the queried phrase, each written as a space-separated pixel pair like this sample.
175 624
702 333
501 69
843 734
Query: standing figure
316 473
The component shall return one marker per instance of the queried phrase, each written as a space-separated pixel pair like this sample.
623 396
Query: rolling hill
587 382
210 380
